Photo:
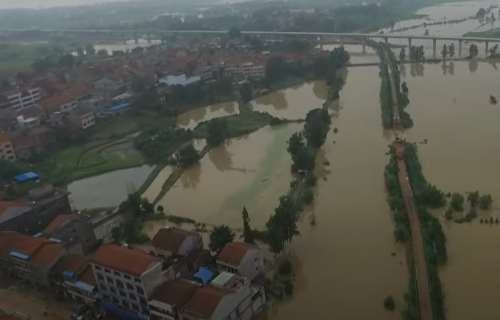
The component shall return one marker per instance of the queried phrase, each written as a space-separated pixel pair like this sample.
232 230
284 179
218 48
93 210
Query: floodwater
252 171
154 188
294 102
343 263
191 118
453 112
446 12
107 190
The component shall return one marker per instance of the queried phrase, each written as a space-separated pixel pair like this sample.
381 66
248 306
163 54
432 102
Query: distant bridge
363 36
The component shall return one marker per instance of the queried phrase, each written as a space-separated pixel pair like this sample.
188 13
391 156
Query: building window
139 289
119 284
137 280
107 271
100 276
116 301
106 297
110 280
132 296
143 301
127 277
112 290
124 303
123 294
116 273
135 307
130 287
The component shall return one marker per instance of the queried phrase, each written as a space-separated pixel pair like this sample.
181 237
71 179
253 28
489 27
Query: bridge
362 36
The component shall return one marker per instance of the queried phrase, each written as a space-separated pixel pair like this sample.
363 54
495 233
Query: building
127 278
179 80
227 297
6 147
58 103
79 92
72 228
170 297
117 110
34 212
72 279
20 98
241 258
82 118
29 258
174 241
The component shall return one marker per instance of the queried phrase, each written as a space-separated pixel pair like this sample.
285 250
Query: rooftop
129 261
53 103
118 107
206 300
60 219
5 137
47 254
71 263
87 276
170 238
234 252
77 90
175 293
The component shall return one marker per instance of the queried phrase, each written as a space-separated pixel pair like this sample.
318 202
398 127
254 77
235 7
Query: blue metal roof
122 313
19 255
55 240
84 286
38 235
26 177
204 275
118 107
68 274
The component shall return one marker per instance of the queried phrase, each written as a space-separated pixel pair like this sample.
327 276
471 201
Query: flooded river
107 190
190 119
453 112
344 263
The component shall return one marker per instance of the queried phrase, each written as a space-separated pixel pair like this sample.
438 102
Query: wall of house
190 243
154 276
7 151
76 229
162 310
40 275
70 106
252 264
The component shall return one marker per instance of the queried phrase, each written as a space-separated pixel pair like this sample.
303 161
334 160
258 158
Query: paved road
423 286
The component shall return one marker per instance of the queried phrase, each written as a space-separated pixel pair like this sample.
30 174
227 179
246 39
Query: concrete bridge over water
160 34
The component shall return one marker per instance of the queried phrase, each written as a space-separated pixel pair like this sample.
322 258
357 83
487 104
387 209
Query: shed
26 177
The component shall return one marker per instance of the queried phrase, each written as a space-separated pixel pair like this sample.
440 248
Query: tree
147 206
389 303
102 53
473 198
219 237
493 51
66 60
234 33
275 69
402 54
451 50
160 208
457 202
80 51
485 202
89 49
444 51
246 92
400 233
404 87
247 231
316 127
256 44
187 155
42 65
473 51
217 131
298 151
481 13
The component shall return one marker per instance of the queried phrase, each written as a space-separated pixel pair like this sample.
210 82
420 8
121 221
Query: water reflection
320 90
191 177
473 65
221 158
276 99
417 69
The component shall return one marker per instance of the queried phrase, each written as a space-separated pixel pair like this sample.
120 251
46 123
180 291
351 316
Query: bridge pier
342 41
409 44
434 48
124 38
321 43
460 48
386 39
149 37
364 45
136 38
487 43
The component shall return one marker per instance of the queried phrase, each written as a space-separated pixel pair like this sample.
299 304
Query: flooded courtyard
454 113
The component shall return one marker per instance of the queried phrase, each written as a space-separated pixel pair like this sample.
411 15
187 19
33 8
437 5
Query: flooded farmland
191 118
454 113
343 263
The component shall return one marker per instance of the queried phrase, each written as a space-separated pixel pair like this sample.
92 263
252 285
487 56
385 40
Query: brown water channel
453 112
190 119
343 264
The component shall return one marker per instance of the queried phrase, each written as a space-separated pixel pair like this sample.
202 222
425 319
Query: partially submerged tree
247 230
219 237
187 155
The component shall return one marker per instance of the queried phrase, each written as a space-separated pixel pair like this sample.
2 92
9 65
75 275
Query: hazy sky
5 4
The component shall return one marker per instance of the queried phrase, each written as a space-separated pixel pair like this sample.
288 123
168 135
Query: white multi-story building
126 279
20 99
6 148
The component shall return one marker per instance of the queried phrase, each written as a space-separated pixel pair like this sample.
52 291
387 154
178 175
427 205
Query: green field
494 33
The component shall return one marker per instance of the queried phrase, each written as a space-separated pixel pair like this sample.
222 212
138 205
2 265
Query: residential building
79 92
30 117
113 84
175 241
58 103
20 98
6 147
228 296
72 278
127 278
34 212
170 297
72 228
29 258
82 118
179 80
241 258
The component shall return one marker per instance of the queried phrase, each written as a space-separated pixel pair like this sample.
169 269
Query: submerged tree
485 202
219 237
444 51
473 51
457 202
493 51
451 50
247 230
402 54
187 155
473 198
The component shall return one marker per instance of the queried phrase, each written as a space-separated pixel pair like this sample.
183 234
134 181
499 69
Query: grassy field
494 33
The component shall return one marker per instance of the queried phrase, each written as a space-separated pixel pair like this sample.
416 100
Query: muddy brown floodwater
190 119
454 113
344 268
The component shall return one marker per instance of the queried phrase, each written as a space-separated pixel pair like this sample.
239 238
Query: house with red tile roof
71 228
58 103
29 258
228 296
175 241
127 278
170 297
78 91
241 258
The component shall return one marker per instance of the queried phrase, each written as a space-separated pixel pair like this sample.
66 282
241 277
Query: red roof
72 263
29 245
129 261
47 254
234 252
56 223
9 240
88 276
206 300
5 137
77 90
54 103
170 238
31 112
4 205
83 111
175 293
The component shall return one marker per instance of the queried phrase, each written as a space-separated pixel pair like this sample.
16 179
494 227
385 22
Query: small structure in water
493 100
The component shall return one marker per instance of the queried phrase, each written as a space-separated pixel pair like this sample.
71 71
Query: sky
35 4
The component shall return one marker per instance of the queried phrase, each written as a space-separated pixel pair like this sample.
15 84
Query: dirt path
423 287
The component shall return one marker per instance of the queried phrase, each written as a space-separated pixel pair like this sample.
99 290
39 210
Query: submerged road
420 261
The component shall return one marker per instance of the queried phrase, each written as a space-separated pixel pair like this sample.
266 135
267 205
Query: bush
311 180
288 287
389 303
285 268
308 196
